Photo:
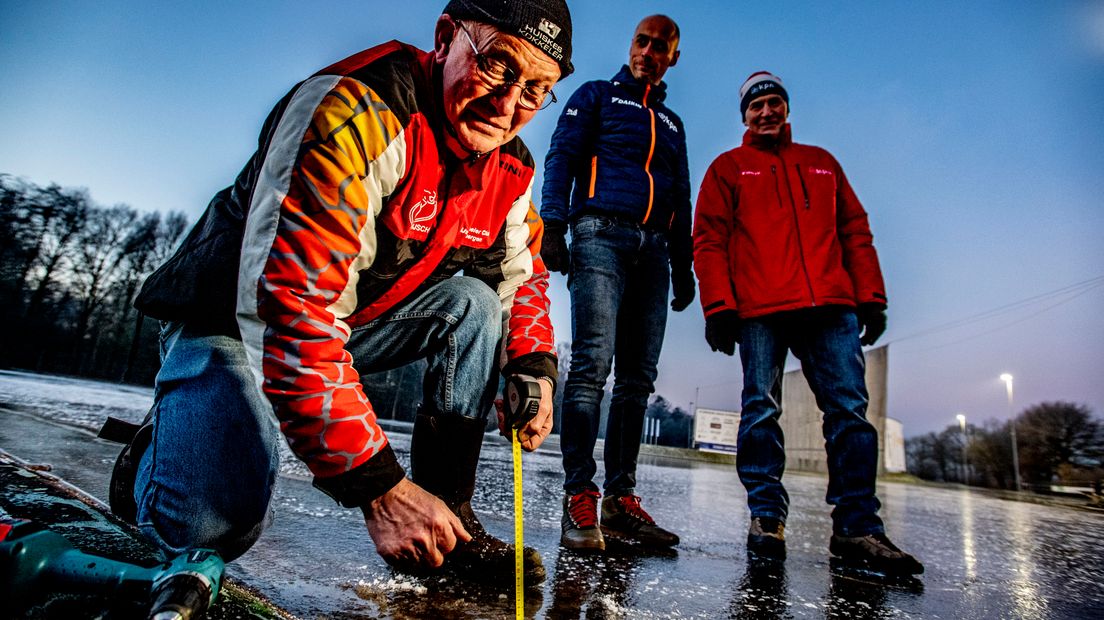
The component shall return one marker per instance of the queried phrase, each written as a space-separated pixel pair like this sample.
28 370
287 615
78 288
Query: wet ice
985 557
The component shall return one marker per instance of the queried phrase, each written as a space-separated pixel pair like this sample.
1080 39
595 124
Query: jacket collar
429 89
785 139
624 78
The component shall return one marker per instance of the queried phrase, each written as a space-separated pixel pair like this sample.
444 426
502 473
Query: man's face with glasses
493 82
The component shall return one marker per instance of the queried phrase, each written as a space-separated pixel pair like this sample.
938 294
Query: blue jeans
826 340
207 478
619 282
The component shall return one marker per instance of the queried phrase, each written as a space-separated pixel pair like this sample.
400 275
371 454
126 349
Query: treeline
1059 443
69 270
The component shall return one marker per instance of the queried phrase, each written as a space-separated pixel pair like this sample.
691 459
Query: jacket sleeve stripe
311 226
524 291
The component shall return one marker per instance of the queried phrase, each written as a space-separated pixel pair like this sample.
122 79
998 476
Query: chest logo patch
423 211
670 124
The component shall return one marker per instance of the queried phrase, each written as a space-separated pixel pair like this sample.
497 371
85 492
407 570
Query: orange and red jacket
351 206
781 229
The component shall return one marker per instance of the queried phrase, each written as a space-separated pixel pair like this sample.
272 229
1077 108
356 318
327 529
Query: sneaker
488 559
580 522
874 552
622 516
767 538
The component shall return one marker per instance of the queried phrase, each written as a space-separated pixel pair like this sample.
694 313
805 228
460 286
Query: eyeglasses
500 77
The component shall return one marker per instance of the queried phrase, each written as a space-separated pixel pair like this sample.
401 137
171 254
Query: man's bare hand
533 434
413 528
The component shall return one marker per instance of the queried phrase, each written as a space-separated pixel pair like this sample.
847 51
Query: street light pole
1007 378
693 418
965 466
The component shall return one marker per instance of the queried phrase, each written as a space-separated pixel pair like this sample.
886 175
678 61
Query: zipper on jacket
797 226
804 190
651 151
593 174
774 173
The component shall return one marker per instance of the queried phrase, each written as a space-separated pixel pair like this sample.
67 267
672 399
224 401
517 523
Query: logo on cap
761 86
548 28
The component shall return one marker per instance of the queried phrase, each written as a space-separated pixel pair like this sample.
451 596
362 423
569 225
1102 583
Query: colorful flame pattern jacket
349 207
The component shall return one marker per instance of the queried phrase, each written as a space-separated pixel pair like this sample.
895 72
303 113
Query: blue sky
972 132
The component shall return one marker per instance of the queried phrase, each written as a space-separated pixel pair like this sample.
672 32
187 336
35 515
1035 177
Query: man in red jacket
338 251
786 262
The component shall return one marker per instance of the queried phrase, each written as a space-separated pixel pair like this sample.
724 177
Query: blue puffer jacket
625 154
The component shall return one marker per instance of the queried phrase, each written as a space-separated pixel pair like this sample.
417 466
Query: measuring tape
522 403
519 534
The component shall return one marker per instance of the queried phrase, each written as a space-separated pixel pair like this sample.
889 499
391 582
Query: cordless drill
36 561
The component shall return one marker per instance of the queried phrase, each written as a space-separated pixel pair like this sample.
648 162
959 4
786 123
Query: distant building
801 420
893 443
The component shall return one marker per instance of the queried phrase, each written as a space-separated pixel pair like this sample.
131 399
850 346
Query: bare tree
17 242
96 265
1058 435
149 242
926 456
58 216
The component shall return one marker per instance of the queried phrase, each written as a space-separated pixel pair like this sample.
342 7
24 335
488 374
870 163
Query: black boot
136 438
444 454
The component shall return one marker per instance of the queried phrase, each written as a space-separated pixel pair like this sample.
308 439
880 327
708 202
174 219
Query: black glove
722 331
682 281
554 248
872 319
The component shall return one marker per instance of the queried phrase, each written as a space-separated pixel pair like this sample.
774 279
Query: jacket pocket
590 225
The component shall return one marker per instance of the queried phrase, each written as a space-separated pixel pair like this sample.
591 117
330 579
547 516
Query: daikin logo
423 211
621 101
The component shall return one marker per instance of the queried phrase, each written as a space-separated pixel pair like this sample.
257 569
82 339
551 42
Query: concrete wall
894 443
801 420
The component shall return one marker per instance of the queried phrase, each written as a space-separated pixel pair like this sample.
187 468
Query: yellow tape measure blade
519 533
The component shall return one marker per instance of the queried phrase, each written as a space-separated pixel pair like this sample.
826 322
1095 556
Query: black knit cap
544 23
758 84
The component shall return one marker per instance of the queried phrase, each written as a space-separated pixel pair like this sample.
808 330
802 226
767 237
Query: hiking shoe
580 522
874 552
622 516
767 538
488 559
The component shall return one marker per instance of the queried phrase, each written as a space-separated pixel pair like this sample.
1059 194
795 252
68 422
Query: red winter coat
779 230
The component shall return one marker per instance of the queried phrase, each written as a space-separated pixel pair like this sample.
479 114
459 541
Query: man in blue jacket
616 175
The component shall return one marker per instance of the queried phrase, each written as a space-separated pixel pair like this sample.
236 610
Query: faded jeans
207 478
619 283
826 340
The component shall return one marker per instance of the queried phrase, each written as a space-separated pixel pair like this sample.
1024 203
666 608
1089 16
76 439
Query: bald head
654 48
